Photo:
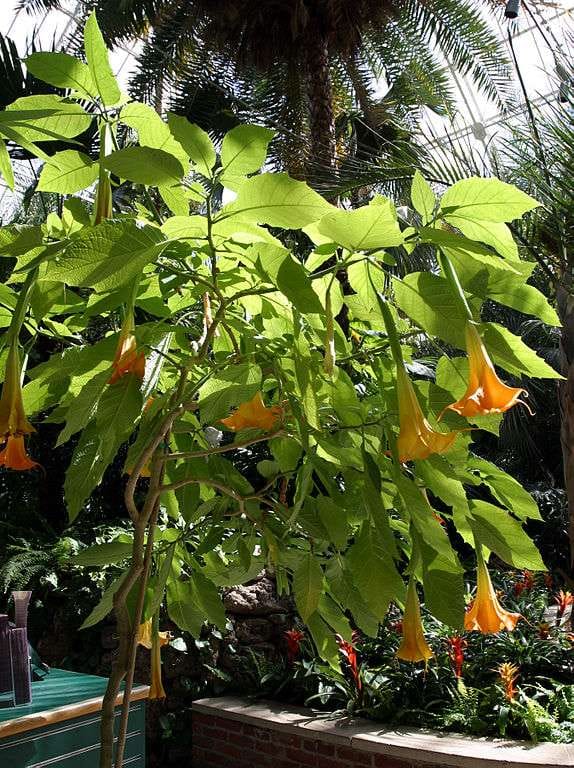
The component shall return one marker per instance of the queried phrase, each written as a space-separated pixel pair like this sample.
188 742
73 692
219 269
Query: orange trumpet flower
485 393
13 422
485 613
254 414
417 439
413 646
127 359
154 641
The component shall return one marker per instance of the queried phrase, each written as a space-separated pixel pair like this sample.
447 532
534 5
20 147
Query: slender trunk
565 303
320 93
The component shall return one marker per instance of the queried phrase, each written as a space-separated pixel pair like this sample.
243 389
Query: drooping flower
508 674
293 638
103 206
127 358
349 654
485 392
417 439
254 414
485 614
13 422
456 648
413 646
563 600
154 640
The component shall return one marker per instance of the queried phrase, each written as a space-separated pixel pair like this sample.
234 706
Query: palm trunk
320 93
565 304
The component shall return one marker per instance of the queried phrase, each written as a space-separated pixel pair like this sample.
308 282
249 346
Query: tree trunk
565 304
320 93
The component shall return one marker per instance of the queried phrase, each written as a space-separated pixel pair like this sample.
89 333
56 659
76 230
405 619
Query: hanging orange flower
413 646
153 640
254 414
485 613
508 674
417 439
485 393
13 422
127 358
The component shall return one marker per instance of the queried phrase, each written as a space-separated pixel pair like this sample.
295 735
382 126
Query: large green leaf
422 196
277 200
505 536
83 407
227 389
6 166
193 602
486 200
105 605
307 585
104 554
243 151
512 354
144 165
99 63
372 226
506 489
195 141
284 271
152 131
495 234
44 118
116 416
66 172
63 71
108 255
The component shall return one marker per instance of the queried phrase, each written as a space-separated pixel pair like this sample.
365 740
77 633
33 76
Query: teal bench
61 727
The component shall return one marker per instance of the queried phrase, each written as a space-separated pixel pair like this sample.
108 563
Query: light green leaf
66 172
506 489
107 256
486 200
243 151
277 200
104 607
83 407
158 583
44 118
99 63
512 354
324 639
63 71
334 519
505 536
191 603
422 196
195 141
495 234
152 131
144 165
373 226
104 554
307 585
6 166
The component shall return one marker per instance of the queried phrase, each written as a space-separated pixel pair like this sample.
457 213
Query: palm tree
302 64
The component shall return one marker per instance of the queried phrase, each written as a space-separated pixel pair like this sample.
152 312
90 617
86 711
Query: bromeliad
485 392
13 422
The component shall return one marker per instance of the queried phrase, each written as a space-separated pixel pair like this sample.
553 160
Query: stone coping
408 744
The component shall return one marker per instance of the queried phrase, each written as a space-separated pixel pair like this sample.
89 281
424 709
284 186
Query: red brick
219 734
353 756
328 762
232 750
309 745
300 757
288 738
203 741
325 749
262 734
384 761
269 748
245 742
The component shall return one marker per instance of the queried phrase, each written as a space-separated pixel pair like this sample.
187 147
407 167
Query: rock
259 598
253 631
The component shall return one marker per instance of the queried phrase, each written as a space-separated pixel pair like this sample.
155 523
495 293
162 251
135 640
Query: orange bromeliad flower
153 640
13 422
508 674
413 646
254 414
563 600
417 439
485 393
127 358
485 614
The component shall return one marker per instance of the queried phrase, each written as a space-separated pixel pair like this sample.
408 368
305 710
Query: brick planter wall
234 733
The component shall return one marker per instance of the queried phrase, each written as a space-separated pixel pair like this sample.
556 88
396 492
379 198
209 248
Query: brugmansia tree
214 325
